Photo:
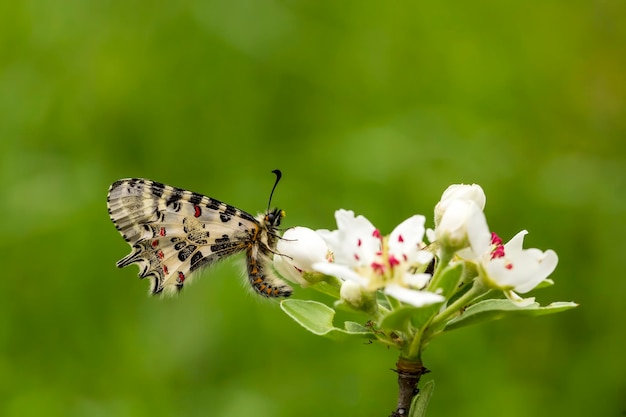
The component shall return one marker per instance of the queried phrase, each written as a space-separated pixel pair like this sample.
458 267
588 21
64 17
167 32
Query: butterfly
174 232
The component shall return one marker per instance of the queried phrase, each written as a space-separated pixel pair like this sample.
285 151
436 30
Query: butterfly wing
173 232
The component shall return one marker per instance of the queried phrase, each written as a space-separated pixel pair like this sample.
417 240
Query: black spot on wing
196 260
195 198
177 194
222 239
156 188
213 204
184 253
247 216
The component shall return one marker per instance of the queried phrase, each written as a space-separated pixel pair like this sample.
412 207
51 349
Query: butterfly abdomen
261 276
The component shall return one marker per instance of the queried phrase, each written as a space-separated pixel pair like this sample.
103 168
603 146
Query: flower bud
459 217
298 249
459 192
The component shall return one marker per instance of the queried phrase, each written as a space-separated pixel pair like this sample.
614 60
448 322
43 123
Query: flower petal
404 241
516 243
463 224
463 192
413 297
340 271
521 271
355 243
417 281
303 247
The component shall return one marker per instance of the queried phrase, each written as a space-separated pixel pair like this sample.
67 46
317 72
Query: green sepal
420 401
545 283
497 309
328 287
318 319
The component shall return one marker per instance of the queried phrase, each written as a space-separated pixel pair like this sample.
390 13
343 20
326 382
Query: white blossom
509 267
297 250
364 257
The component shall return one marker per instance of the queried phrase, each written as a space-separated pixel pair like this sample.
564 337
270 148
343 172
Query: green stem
444 260
476 290
415 348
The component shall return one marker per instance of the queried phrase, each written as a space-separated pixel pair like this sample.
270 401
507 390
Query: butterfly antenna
278 176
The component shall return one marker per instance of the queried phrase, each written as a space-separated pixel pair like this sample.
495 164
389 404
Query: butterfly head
273 218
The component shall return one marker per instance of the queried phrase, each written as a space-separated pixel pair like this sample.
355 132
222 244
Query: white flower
460 219
364 257
508 267
297 251
459 192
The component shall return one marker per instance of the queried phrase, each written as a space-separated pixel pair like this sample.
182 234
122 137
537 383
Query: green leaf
420 402
497 309
449 281
399 318
318 319
356 328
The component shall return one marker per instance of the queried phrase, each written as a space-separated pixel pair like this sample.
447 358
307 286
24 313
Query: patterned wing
173 232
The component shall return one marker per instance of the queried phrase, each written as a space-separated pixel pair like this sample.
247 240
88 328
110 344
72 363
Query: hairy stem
409 373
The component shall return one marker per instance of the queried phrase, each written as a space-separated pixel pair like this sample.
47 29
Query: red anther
378 267
495 239
497 252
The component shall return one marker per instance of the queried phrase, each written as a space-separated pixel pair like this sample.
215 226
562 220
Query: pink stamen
393 261
378 267
495 239
497 252
376 233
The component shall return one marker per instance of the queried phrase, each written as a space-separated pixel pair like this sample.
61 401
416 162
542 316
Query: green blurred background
364 105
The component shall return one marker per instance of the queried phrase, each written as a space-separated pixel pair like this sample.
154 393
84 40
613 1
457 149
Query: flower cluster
366 261
363 259
415 283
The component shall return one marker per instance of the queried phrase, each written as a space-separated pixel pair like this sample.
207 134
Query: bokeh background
365 105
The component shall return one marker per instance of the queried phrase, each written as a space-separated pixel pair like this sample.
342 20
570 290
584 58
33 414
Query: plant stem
476 290
409 373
